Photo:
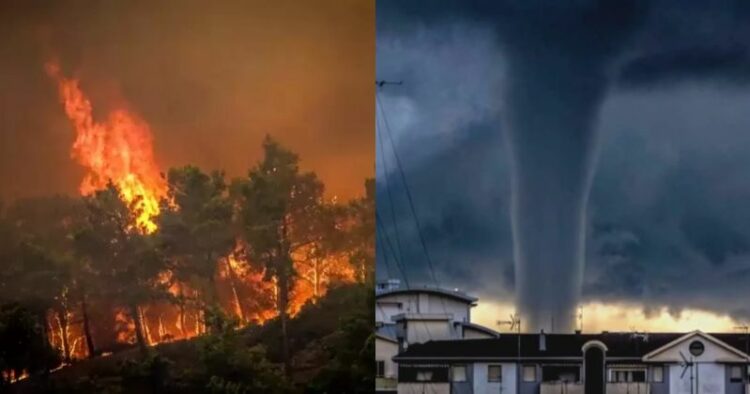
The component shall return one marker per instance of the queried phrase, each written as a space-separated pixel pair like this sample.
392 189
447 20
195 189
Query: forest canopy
81 279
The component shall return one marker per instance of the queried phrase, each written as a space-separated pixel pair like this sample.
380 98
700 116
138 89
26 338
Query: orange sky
211 80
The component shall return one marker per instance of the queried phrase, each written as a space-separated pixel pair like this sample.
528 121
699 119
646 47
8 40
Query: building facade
407 317
606 363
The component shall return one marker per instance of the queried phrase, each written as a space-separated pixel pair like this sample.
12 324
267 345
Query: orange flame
117 150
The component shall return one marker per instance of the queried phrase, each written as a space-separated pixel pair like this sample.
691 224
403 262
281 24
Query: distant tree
124 261
195 228
279 208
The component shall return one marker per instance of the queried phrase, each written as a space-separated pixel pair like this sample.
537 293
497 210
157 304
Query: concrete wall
561 388
467 386
531 387
426 303
385 310
385 351
482 386
385 385
712 352
419 331
709 378
663 387
733 387
628 388
424 388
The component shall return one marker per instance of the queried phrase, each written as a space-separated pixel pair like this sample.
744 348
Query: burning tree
124 260
320 260
279 209
136 249
196 231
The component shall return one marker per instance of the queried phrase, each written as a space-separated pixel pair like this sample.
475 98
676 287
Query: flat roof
430 290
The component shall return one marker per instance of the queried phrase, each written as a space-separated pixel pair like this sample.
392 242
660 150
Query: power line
383 252
388 189
411 204
399 265
413 210
408 191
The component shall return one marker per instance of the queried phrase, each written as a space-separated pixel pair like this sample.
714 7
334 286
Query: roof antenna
515 322
383 82
746 329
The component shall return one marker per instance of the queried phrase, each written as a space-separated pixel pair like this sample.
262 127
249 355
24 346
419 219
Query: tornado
558 73
550 120
562 59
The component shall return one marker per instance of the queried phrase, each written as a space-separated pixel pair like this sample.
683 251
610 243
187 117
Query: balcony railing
386 383
612 388
628 388
561 388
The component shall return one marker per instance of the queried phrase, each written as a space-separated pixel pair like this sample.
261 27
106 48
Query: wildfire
118 149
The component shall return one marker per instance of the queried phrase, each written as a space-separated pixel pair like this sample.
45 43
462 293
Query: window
379 369
657 374
625 375
424 376
735 373
529 373
458 373
494 373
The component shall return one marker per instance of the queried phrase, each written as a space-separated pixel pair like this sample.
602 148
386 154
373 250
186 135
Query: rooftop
455 294
623 345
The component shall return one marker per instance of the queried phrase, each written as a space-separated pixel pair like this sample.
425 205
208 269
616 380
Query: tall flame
118 149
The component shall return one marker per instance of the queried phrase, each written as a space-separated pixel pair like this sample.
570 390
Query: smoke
210 79
561 63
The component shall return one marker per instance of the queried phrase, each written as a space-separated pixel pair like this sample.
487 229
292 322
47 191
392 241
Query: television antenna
383 82
639 335
515 323
746 329
687 364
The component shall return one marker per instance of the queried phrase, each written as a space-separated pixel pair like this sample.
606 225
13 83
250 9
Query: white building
606 363
404 317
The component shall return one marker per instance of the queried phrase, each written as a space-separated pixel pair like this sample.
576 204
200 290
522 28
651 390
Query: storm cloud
665 223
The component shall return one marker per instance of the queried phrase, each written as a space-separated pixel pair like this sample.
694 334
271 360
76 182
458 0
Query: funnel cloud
561 64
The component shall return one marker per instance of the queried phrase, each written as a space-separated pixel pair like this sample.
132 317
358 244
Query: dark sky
211 78
669 210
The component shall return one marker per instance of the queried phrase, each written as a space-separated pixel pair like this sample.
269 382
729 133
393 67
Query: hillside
330 345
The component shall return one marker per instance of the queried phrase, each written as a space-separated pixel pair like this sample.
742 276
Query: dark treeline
79 279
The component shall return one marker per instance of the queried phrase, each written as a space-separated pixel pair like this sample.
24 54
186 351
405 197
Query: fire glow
117 150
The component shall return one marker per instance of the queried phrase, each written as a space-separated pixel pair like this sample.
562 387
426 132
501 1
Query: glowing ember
117 150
